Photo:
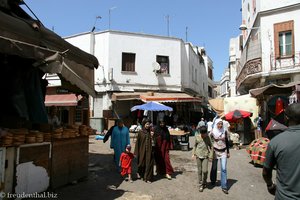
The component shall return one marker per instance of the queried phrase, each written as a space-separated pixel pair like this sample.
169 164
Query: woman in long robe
119 140
144 152
162 146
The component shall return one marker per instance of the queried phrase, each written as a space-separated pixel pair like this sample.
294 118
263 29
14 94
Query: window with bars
128 62
164 64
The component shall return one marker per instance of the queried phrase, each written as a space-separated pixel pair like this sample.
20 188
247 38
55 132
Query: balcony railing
251 51
250 62
251 67
286 62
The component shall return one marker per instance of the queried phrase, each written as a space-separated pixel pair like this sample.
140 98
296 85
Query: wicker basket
30 138
39 137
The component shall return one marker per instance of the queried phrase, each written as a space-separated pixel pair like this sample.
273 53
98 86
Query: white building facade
131 63
271 47
210 76
224 84
234 60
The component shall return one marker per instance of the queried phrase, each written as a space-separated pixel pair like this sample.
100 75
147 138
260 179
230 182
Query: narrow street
244 180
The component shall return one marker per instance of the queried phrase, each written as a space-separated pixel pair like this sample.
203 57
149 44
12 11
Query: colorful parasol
237 114
257 150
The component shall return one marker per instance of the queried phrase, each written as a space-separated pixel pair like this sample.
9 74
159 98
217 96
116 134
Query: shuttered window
285 43
284 39
128 62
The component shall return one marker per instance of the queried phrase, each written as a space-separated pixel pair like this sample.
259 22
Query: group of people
151 149
153 145
211 145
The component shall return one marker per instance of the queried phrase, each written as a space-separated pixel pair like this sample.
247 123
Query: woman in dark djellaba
144 151
163 143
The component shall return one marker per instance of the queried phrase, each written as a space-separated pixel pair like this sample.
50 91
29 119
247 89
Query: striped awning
62 100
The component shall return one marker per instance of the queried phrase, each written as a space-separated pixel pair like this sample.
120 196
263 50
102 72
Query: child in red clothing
125 162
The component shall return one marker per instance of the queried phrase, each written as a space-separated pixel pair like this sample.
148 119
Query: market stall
32 152
180 139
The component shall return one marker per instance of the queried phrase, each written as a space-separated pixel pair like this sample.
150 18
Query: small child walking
201 152
125 163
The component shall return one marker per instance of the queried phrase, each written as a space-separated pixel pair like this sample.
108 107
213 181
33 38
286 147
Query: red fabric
257 150
233 116
279 106
125 161
162 156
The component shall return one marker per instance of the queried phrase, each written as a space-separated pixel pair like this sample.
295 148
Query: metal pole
109 13
186 34
109 19
168 24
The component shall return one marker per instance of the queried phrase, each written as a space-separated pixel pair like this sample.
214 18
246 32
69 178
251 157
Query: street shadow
230 183
255 164
102 182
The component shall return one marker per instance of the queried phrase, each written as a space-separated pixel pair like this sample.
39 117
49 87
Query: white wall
109 52
197 76
271 4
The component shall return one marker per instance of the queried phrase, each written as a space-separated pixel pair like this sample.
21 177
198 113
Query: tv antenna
94 27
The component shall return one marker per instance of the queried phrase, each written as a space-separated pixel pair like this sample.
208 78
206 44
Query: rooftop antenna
186 33
94 27
168 24
109 15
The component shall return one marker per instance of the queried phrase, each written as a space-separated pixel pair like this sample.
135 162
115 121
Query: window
285 43
194 74
284 39
210 73
128 62
164 64
210 91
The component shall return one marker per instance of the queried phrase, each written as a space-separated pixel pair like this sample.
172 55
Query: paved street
245 181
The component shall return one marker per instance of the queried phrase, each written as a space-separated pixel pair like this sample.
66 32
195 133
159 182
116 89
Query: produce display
17 137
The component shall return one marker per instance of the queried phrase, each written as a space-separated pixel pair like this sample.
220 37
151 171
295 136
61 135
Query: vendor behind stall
52 117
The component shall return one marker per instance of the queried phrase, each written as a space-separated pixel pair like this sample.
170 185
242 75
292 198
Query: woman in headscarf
221 152
163 143
119 140
144 151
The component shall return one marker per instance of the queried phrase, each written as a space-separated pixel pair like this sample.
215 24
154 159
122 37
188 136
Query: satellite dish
155 66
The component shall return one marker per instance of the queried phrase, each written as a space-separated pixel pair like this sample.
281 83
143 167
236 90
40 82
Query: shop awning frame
272 89
156 96
23 36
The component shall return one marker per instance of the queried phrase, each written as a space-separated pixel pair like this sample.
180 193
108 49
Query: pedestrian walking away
163 143
201 152
284 152
221 152
201 123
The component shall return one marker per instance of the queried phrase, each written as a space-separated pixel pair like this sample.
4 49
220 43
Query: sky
209 23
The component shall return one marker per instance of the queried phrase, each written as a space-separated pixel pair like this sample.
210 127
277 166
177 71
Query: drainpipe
92 51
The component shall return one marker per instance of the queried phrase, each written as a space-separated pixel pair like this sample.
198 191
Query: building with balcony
271 49
138 67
